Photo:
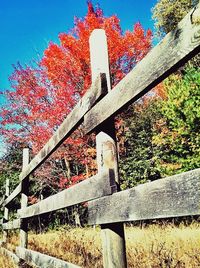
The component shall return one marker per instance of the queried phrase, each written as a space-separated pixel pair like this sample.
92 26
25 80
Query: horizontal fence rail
42 260
7 202
175 196
11 225
92 188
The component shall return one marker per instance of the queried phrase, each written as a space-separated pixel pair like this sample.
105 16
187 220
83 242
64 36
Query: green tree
177 143
167 13
137 162
10 166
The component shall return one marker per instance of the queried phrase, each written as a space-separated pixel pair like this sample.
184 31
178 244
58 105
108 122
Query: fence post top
25 159
25 151
98 32
99 55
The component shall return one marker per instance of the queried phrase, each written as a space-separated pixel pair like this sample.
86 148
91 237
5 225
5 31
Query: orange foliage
43 96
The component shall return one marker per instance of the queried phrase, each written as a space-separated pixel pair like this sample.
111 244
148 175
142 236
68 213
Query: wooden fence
174 196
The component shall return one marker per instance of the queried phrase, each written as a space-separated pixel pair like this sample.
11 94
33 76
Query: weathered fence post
6 211
24 201
114 253
99 56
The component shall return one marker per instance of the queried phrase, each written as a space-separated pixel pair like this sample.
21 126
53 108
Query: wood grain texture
24 202
113 244
175 196
113 240
9 254
2 201
37 259
73 120
6 211
173 51
13 195
107 152
94 187
11 225
99 55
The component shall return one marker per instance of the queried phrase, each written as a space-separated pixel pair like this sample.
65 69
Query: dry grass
6 263
78 246
150 247
169 247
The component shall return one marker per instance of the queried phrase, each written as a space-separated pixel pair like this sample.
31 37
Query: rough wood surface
73 120
9 254
6 211
2 201
15 224
13 195
175 196
173 51
37 259
99 55
94 187
24 202
107 153
113 242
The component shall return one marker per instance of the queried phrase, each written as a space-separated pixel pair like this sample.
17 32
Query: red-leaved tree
43 95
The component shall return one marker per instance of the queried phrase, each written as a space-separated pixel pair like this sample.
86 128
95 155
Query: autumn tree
42 95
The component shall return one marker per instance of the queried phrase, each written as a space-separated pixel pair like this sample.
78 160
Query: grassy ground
150 247
5 263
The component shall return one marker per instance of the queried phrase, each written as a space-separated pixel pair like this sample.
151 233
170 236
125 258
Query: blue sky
28 26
